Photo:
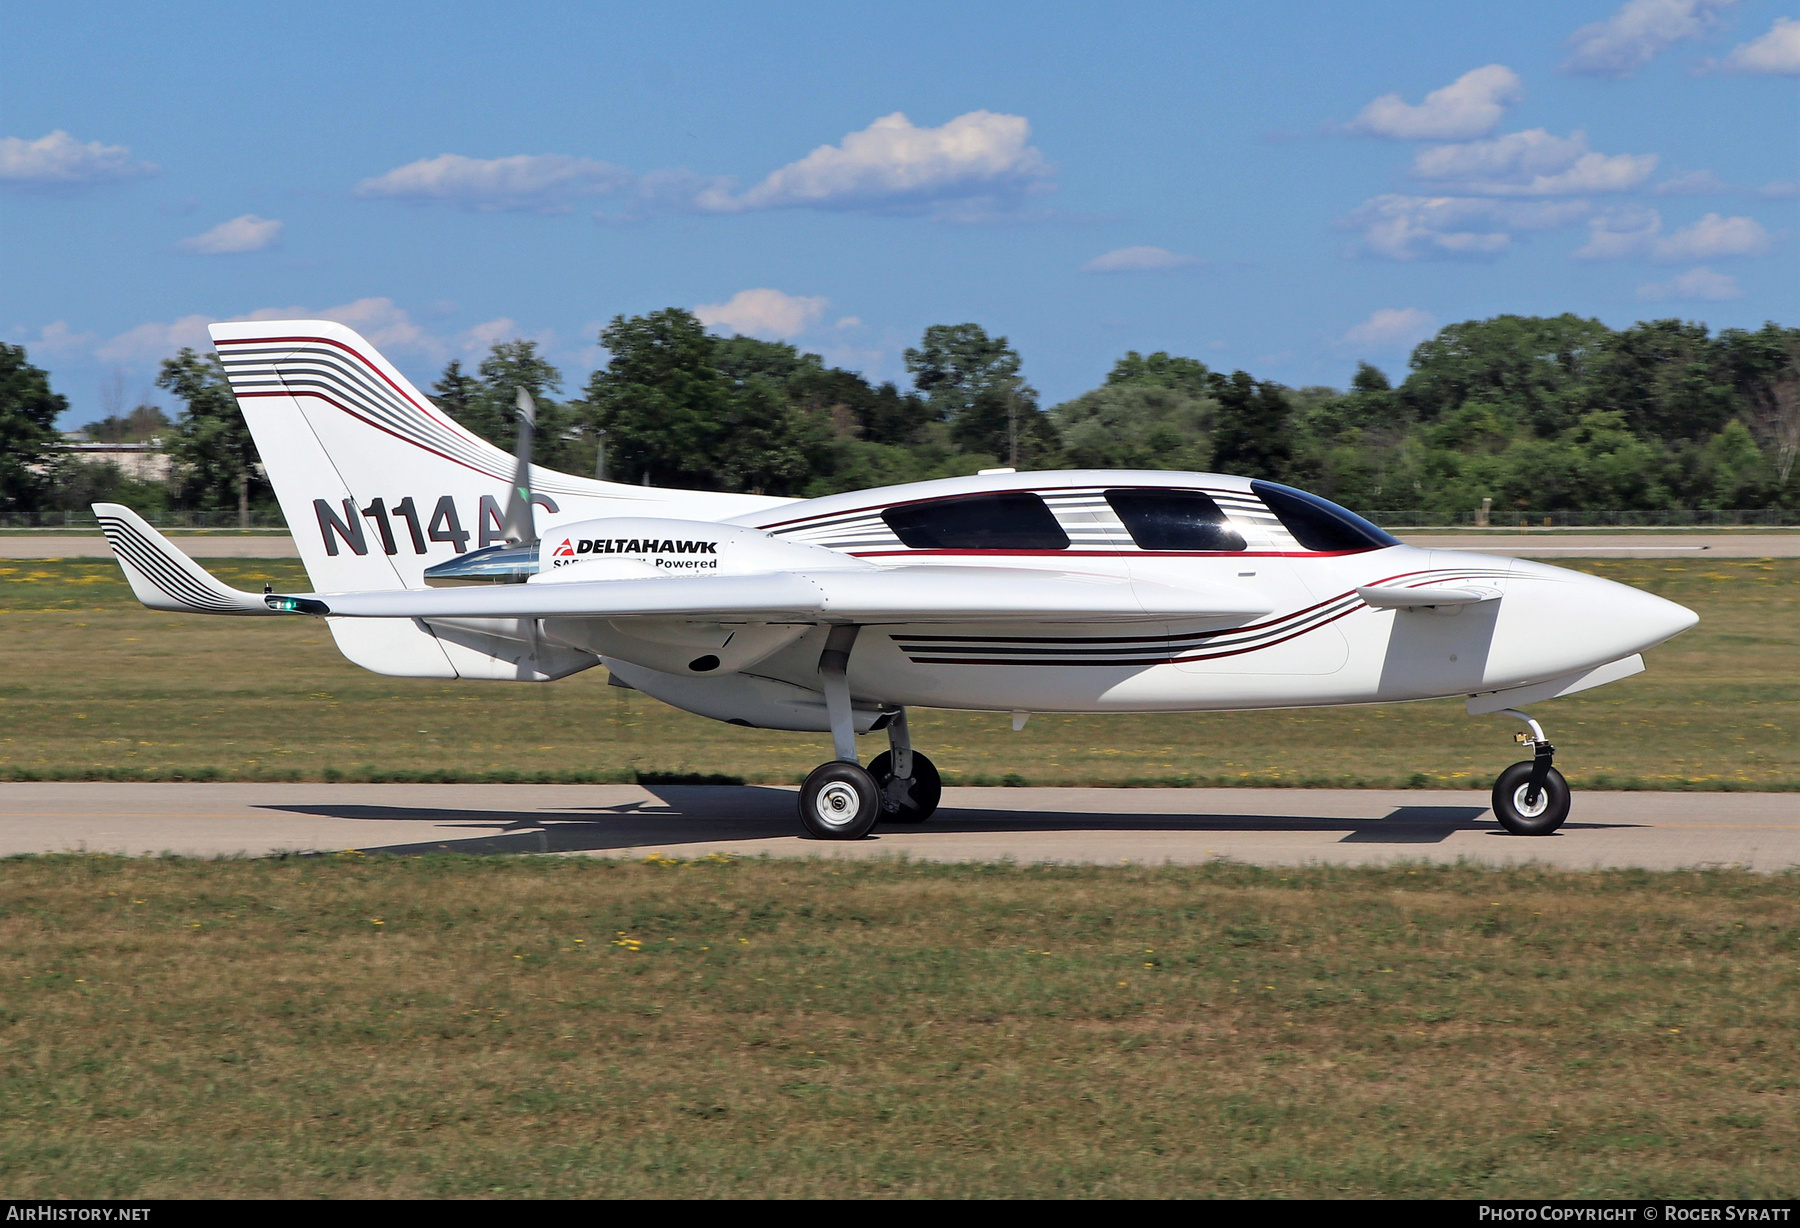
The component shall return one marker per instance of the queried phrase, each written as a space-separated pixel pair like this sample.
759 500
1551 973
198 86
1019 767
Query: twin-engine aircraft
436 555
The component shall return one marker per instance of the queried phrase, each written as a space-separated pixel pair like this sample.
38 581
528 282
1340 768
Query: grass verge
448 1026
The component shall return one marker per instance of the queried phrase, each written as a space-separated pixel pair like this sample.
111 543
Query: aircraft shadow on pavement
702 814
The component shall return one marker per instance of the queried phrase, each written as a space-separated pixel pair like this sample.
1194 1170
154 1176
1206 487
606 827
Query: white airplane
437 555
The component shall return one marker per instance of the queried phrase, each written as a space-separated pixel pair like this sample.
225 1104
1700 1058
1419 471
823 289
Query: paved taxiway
1548 544
1759 831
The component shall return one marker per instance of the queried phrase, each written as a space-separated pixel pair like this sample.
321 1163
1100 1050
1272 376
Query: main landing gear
1531 798
842 800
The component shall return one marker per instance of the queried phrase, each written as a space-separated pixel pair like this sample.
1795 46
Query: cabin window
1319 524
1174 520
1007 520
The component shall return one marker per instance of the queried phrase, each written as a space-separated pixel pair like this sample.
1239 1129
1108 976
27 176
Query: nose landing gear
1531 798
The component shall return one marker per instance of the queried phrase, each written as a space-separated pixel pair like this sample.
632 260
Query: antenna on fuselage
520 526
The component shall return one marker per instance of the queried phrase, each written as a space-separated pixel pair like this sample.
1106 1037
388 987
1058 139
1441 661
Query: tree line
1538 413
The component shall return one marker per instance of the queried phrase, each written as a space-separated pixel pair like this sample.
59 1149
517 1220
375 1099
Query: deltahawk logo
658 551
646 545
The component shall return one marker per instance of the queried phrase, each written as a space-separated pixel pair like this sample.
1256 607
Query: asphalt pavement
1276 827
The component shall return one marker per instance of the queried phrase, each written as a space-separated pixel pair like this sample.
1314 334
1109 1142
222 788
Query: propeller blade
521 522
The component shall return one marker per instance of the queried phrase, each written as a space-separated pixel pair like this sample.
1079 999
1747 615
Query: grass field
94 686
570 1027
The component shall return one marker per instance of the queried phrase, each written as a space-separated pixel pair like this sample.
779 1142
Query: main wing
849 595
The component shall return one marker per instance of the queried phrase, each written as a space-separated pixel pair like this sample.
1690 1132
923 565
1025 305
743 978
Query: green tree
28 435
1666 378
1534 367
144 423
487 404
660 398
1188 376
456 393
972 381
215 458
1252 438
682 408
1765 369
1123 425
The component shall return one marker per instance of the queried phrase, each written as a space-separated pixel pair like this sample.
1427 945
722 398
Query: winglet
162 576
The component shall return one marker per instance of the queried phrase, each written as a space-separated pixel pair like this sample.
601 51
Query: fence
1679 517
270 518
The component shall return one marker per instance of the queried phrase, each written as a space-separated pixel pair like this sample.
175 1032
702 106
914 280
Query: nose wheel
1531 798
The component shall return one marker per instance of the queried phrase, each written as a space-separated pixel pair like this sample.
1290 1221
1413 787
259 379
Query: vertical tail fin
376 482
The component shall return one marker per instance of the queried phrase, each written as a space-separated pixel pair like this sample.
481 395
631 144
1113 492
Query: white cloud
1139 260
1531 163
1779 189
149 342
1714 236
1701 283
482 337
1776 52
974 168
977 164
1472 105
1396 227
58 338
1693 183
1628 39
1638 233
248 233
59 161
1388 330
769 314
1619 233
387 327
537 183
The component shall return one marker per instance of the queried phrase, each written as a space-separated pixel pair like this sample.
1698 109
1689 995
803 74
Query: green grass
92 686
447 1026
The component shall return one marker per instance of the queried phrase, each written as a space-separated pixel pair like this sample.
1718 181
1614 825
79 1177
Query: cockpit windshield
1319 524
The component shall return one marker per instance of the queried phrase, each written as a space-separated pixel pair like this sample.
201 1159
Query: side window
1009 520
1174 520
1319 524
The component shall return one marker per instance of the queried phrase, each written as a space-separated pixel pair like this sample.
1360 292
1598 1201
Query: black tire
839 801
1509 801
927 789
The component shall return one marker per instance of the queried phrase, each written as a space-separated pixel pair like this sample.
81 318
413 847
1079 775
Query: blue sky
1286 188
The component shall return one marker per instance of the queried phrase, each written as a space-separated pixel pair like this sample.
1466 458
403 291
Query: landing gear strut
1531 798
909 782
840 800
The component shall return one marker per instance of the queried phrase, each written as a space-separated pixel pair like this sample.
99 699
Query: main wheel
1540 819
839 801
926 790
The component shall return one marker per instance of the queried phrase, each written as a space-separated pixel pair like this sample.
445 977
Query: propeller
520 526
